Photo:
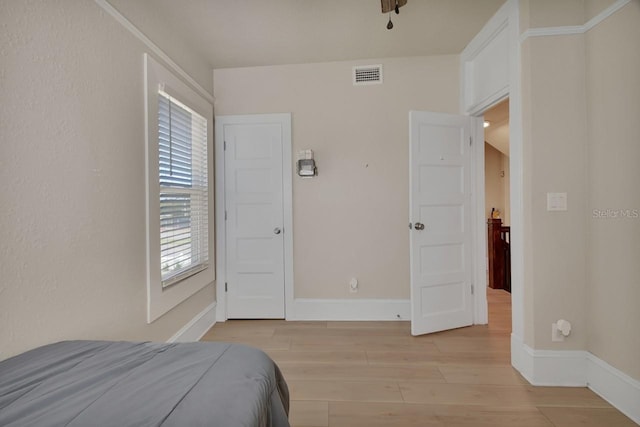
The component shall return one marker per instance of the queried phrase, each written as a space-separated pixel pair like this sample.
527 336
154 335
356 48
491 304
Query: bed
106 383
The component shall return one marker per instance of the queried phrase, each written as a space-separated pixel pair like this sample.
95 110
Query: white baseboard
549 367
614 386
555 368
516 354
350 309
197 327
578 369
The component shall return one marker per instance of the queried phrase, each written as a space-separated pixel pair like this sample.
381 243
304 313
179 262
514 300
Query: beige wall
551 13
506 184
559 13
581 103
555 135
166 35
495 186
72 200
351 220
593 7
613 291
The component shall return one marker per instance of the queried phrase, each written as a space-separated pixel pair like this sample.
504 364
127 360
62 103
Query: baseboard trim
197 327
578 369
350 309
555 368
614 386
517 360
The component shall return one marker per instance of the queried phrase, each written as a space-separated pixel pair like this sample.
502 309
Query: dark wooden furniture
499 254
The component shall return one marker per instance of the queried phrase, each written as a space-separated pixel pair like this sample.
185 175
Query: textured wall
551 13
351 220
581 103
496 192
613 78
554 98
166 34
72 199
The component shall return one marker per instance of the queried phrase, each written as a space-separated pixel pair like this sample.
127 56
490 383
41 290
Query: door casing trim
504 22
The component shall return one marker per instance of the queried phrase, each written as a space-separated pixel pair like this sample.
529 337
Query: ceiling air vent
367 75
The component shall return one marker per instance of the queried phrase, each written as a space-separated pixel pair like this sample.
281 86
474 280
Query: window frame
161 299
194 185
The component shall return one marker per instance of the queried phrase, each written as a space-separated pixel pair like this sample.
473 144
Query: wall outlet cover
353 285
556 335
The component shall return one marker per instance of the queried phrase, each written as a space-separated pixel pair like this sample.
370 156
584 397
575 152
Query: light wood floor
370 374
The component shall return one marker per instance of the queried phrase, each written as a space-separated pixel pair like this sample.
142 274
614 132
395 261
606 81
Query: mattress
104 383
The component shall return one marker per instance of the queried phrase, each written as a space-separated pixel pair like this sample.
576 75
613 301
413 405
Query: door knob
277 230
418 226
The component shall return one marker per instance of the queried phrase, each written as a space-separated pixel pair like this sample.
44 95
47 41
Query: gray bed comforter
123 384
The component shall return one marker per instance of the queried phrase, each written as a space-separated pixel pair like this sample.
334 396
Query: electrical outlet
556 335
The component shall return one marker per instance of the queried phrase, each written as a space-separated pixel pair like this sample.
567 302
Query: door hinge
472 289
225 215
224 145
470 141
225 287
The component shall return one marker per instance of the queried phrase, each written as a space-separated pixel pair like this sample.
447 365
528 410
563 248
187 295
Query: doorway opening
497 214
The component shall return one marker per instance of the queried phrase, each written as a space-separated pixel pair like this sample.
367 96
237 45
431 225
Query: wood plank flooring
370 374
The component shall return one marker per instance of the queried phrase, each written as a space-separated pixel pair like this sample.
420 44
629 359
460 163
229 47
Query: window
184 235
179 145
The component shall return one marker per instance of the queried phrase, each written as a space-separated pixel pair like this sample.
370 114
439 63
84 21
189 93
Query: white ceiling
242 33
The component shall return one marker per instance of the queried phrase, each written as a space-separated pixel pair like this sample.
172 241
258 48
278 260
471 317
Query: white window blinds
184 228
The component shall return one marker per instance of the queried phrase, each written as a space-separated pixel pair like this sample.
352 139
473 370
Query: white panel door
254 220
440 236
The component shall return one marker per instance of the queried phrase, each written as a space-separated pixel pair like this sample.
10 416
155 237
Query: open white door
440 210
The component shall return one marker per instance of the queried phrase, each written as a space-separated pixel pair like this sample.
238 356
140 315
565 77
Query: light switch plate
556 201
